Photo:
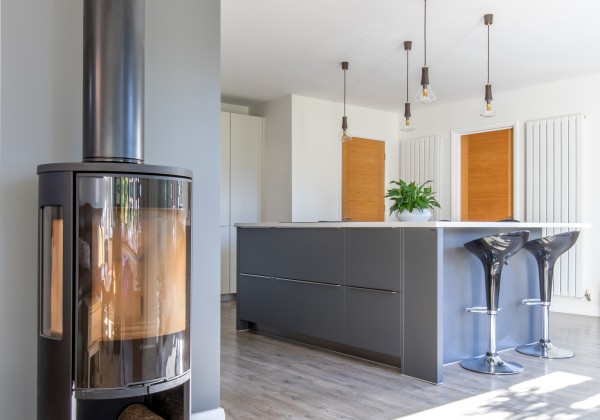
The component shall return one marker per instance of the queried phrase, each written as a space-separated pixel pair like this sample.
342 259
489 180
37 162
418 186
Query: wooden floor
264 377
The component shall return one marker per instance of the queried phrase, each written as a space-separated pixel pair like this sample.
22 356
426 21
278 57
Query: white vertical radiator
554 188
420 162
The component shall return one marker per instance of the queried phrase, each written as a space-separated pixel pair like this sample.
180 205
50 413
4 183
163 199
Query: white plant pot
414 216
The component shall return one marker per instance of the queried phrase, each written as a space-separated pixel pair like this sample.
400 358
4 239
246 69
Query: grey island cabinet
394 293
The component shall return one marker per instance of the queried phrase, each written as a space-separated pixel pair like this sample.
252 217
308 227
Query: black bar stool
546 251
493 252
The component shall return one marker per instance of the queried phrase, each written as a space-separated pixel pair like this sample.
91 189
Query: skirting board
216 414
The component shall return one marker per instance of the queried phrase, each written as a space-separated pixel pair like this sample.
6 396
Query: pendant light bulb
407 124
344 134
425 94
488 109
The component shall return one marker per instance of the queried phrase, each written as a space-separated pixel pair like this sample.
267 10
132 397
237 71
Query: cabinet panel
373 320
225 260
373 258
241 184
256 299
310 254
233 259
225 166
246 168
423 352
312 309
256 251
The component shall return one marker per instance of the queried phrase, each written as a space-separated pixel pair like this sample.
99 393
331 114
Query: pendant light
407 126
425 94
488 110
344 134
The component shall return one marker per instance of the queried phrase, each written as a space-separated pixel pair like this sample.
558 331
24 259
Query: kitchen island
395 293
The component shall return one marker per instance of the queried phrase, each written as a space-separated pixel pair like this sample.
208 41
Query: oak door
363 175
487 176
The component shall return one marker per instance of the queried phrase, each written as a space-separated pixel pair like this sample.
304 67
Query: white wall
303 155
550 100
277 178
317 153
41 82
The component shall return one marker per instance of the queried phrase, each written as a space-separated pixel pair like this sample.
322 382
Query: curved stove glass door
133 280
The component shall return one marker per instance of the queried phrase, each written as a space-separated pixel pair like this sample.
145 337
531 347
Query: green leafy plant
411 196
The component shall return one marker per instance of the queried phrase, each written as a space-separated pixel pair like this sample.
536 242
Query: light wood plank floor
264 377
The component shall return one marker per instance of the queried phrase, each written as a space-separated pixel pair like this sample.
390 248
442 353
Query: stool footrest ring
482 310
530 302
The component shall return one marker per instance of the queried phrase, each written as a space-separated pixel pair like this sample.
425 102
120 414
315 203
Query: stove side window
52 272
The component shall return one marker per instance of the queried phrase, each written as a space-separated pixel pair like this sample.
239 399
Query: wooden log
138 412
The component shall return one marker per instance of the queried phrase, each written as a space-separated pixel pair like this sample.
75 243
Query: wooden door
363 175
487 176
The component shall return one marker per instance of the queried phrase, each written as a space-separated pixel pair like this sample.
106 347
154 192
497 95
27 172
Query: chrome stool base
545 350
492 365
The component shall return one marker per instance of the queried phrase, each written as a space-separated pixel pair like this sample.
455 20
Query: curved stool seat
546 251
494 252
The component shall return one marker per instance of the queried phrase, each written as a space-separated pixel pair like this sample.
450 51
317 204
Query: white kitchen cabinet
241 185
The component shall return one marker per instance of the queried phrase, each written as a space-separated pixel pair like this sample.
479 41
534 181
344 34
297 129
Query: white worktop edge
412 224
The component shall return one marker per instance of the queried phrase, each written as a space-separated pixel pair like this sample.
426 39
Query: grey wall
183 114
40 122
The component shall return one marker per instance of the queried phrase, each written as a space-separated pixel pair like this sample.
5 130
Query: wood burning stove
115 242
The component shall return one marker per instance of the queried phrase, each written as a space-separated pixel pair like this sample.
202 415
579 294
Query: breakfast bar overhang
395 293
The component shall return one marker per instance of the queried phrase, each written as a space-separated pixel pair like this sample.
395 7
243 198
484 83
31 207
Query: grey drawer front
310 254
312 309
373 320
373 258
255 251
256 299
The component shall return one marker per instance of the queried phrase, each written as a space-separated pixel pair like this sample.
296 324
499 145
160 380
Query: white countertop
511 225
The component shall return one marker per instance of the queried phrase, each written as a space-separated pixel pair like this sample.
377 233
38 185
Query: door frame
518 165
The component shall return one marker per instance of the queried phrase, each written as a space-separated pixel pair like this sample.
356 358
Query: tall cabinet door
224 214
246 188
225 166
246 168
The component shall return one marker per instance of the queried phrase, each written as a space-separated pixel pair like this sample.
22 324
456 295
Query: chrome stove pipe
113 91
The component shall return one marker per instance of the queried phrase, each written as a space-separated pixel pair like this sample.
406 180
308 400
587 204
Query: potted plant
412 202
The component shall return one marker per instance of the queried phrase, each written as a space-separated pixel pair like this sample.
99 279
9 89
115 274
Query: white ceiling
272 48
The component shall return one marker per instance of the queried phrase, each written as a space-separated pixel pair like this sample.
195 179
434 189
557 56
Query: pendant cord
344 93
406 76
488 56
425 33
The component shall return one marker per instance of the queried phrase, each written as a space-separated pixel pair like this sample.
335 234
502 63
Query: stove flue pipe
113 91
